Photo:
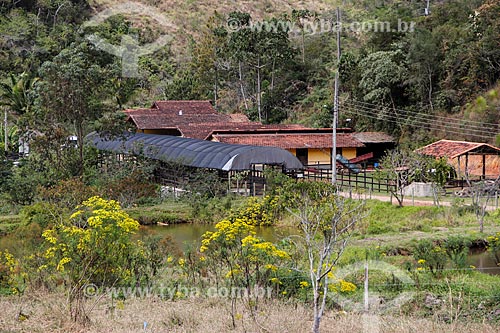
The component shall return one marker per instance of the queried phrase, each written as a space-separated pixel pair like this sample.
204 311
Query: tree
18 96
423 61
481 193
300 16
264 50
72 90
383 77
327 221
402 167
239 258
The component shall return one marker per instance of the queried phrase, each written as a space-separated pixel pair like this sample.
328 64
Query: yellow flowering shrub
258 211
94 246
11 274
430 256
239 255
494 246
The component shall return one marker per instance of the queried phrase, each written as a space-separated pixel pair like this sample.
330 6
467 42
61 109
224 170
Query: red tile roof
289 141
452 149
187 107
194 119
199 120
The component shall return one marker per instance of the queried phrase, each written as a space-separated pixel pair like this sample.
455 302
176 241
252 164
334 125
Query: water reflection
484 262
186 235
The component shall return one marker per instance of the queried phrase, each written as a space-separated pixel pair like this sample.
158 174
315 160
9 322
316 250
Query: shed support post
484 166
467 167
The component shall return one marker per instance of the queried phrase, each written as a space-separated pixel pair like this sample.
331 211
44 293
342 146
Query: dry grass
48 313
189 18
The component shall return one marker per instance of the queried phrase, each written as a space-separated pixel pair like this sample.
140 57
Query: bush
258 211
68 193
95 247
430 256
129 190
457 249
41 213
22 186
494 246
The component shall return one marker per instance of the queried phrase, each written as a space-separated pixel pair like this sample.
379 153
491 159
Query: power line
427 117
424 126
425 122
408 111
420 123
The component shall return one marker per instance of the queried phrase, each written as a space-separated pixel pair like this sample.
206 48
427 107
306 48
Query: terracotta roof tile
288 141
187 107
452 149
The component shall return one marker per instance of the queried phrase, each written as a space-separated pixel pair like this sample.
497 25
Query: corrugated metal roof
195 153
453 149
291 140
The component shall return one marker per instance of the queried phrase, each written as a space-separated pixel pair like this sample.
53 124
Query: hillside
402 72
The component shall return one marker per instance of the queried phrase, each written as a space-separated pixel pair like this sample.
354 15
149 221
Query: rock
431 301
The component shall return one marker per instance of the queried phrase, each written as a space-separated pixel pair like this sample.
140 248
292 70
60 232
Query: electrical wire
436 116
428 119
415 122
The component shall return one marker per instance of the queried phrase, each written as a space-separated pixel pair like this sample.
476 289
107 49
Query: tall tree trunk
258 90
303 46
79 140
240 72
429 73
216 86
272 74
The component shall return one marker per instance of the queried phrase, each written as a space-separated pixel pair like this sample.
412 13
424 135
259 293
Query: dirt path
408 201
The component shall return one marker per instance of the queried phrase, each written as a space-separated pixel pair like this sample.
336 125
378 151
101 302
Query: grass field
47 313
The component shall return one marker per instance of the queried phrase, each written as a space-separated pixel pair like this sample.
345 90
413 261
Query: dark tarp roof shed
193 152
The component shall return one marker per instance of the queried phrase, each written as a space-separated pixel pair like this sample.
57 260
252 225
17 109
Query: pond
185 234
484 262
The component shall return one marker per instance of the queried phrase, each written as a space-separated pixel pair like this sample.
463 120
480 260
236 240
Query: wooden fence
363 180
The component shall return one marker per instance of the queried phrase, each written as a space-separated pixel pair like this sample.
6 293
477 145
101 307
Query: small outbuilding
468 158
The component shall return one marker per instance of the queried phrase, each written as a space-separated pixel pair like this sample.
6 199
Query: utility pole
336 105
6 146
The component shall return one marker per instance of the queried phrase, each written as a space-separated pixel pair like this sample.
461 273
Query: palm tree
17 96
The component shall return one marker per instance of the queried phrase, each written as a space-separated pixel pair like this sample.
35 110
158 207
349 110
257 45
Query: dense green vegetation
271 64
56 83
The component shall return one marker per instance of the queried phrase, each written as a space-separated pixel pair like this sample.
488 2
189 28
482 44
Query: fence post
365 296
413 196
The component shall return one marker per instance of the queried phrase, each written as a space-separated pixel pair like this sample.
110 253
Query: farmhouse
199 120
311 146
189 119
